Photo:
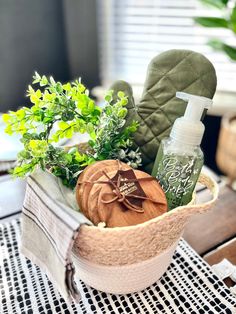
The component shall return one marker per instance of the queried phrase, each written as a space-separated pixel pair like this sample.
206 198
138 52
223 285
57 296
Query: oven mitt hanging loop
169 72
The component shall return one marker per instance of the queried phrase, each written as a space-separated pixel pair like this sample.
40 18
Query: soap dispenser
180 159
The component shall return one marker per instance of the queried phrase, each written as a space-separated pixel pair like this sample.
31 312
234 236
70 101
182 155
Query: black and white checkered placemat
189 286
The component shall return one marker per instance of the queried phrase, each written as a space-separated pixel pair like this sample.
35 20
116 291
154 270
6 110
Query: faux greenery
69 109
227 20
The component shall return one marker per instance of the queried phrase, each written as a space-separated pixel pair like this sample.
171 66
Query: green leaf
21 128
20 171
49 97
63 125
217 44
121 94
68 158
79 157
221 46
35 96
55 137
80 126
42 164
85 111
6 117
91 143
38 148
72 150
43 81
9 130
27 136
212 22
68 116
30 91
38 93
97 111
230 51
90 128
109 110
67 87
122 113
216 3
52 81
108 96
124 101
20 114
81 88
233 19
93 135
36 78
82 101
59 87
91 105
24 154
69 133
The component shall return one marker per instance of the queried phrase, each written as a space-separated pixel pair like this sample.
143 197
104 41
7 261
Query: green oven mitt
169 72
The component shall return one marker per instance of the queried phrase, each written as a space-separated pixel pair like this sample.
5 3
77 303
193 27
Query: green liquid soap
178 172
179 159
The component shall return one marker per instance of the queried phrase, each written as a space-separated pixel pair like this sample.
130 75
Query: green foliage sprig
112 140
70 110
226 20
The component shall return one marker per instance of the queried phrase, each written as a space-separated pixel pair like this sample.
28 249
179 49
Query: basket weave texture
226 152
129 245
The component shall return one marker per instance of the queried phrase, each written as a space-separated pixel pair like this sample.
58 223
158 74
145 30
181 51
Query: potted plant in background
226 152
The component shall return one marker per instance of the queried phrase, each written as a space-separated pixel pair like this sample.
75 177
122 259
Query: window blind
132 32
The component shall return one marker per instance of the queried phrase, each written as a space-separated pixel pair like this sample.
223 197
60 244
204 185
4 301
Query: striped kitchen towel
50 224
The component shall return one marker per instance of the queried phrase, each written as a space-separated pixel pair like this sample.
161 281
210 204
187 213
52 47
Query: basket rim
82 259
212 186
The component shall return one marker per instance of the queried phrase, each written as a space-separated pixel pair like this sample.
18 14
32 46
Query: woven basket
129 259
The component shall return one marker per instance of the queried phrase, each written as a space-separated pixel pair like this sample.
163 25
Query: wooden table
212 235
207 232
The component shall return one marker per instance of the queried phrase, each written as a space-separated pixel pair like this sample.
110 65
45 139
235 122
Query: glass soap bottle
180 159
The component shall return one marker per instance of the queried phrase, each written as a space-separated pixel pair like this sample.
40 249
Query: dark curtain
82 40
54 37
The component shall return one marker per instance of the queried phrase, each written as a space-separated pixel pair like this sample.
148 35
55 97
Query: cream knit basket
128 259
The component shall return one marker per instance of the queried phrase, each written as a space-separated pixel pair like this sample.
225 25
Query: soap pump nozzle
196 105
189 129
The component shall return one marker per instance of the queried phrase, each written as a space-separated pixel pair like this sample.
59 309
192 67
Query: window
132 32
